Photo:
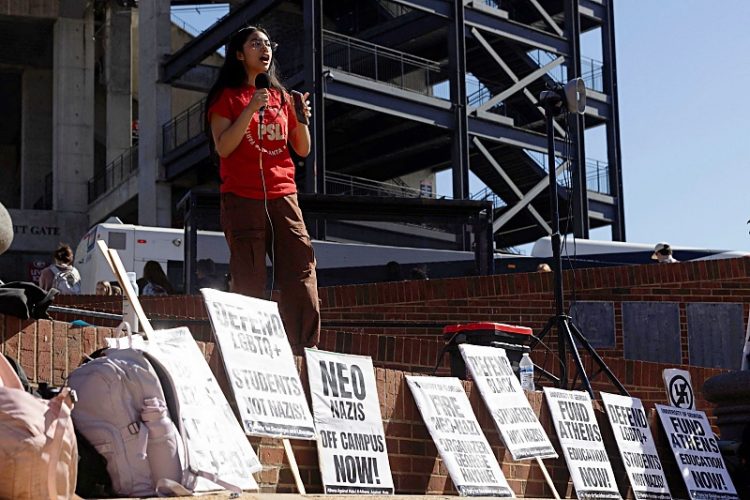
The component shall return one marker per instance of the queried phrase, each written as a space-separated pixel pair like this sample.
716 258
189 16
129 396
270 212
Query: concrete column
154 196
117 80
36 134
73 112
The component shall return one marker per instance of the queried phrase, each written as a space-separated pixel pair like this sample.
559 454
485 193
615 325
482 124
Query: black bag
25 300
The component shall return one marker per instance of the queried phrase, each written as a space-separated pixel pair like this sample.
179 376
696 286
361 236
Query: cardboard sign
697 453
260 365
460 441
582 445
517 423
637 449
215 441
679 388
351 444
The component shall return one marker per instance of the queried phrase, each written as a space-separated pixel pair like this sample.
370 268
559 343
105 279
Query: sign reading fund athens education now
351 442
697 454
215 441
582 444
637 449
517 423
460 441
260 365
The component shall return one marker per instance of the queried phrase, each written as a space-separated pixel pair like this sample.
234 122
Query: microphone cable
265 206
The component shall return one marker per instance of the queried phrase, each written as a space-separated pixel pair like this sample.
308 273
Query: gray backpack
122 411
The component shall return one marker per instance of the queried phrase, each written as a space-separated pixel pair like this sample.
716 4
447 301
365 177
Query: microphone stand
553 102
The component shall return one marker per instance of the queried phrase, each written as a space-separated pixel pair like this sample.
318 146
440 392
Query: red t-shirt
240 173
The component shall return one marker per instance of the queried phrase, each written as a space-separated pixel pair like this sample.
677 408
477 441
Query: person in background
393 271
103 288
62 275
663 254
154 280
116 290
205 271
543 268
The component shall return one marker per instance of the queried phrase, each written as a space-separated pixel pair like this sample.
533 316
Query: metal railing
118 171
591 69
183 127
597 176
489 195
597 172
379 63
358 186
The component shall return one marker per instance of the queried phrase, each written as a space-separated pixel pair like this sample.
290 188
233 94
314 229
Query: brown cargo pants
250 236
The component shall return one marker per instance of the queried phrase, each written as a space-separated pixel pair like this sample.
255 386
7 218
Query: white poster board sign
501 391
637 449
462 445
679 388
697 453
260 365
582 444
351 444
215 441
744 365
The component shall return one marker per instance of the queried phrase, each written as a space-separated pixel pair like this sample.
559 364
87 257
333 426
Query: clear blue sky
684 93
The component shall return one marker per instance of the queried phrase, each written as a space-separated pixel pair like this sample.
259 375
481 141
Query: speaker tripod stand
555 101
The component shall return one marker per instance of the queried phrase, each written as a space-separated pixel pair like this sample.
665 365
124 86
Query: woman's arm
299 138
227 134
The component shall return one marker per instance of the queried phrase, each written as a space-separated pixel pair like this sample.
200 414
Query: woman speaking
253 120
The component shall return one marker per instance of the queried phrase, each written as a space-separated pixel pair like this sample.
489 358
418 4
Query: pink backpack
38 447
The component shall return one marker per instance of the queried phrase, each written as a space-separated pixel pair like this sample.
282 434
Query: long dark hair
232 73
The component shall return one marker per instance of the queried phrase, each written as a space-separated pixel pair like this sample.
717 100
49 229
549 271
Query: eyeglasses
256 43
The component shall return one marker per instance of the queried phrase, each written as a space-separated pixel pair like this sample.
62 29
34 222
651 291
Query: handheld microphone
261 82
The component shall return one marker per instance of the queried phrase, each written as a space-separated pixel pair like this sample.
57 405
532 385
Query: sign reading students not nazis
260 365
697 453
636 444
582 444
519 427
460 441
351 444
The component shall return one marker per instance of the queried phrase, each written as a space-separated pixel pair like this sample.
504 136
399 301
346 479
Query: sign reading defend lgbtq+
697 454
519 427
582 444
351 442
462 445
636 444
260 365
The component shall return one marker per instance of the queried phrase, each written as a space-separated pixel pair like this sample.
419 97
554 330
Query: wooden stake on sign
293 466
547 477
113 259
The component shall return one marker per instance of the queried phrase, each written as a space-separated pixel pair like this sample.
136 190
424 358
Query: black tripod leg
565 328
602 365
545 331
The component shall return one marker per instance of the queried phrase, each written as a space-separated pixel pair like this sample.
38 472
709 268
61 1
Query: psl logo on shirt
272 132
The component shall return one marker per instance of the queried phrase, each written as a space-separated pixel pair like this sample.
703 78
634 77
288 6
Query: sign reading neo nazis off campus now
260 365
351 445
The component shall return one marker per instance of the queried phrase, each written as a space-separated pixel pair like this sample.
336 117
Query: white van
337 263
136 245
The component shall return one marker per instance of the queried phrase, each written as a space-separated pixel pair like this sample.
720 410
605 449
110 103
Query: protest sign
517 423
679 388
351 444
215 441
582 445
462 445
697 453
260 365
637 449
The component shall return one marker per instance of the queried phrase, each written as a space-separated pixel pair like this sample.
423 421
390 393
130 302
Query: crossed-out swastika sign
679 388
